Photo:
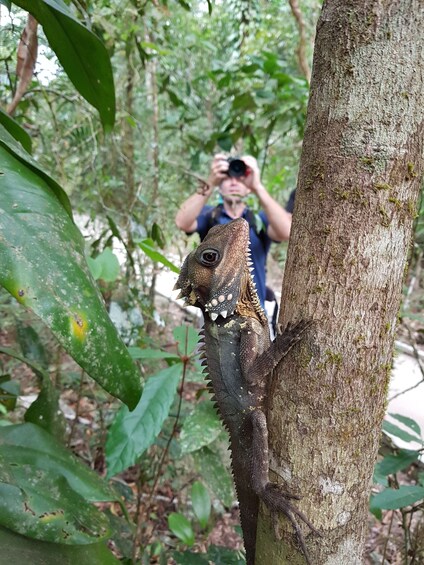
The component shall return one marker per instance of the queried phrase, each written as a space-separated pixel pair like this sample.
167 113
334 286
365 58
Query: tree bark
358 186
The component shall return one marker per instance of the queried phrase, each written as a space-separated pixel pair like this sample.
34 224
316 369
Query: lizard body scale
239 358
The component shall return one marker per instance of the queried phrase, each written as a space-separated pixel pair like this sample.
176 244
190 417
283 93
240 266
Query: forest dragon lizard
239 359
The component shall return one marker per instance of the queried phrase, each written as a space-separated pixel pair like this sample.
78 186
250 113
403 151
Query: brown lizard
239 359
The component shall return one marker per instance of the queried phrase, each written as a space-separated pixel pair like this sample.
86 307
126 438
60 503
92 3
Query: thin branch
187 171
301 50
388 537
71 100
418 360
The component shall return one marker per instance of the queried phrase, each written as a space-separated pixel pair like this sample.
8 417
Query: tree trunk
358 187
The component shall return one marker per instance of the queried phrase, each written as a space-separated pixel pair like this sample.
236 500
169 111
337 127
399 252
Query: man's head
233 188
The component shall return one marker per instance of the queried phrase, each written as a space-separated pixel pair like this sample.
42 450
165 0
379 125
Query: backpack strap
213 215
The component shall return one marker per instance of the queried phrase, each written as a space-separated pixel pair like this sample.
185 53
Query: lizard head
216 276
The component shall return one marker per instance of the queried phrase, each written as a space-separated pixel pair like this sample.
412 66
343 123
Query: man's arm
279 220
186 217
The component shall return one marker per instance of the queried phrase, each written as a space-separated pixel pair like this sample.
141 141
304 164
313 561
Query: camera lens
236 168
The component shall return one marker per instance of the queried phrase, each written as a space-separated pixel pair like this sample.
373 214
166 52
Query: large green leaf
44 268
392 499
133 432
81 53
37 445
210 467
9 142
19 549
394 430
393 463
45 493
201 428
408 422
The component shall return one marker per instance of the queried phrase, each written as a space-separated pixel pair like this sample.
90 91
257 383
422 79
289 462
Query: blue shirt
259 243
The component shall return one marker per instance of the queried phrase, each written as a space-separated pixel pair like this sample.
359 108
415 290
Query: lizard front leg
262 366
273 494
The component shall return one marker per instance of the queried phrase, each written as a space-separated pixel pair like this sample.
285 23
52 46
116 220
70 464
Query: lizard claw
277 500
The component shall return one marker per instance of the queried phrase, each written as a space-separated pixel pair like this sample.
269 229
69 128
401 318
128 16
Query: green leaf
138 353
184 4
392 499
9 392
181 527
95 268
9 143
80 52
265 94
408 422
133 432
175 99
201 503
394 430
20 549
44 411
49 512
250 68
154 47
147 246
35 445
190 558
201 428
219 555
393 463
377 512
187 339
105 266
225 142
31 345
16 130
210 467
244 102
158 235
44 268
45 492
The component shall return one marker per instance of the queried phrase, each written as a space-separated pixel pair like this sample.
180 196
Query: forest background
191 78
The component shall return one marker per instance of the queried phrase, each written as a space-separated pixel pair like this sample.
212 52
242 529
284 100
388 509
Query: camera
236 167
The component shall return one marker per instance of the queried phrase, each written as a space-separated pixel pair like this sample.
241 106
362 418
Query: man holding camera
236 178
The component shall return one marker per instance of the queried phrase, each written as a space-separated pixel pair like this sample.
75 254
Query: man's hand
218 172
253 177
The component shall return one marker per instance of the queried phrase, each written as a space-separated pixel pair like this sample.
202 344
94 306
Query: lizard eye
209 257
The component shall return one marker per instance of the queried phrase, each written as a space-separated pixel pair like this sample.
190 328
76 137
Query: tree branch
301 50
